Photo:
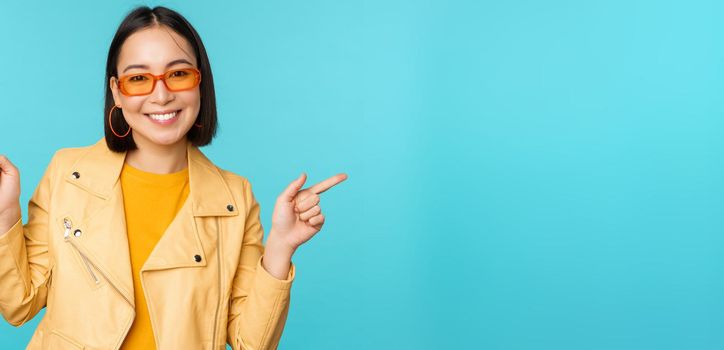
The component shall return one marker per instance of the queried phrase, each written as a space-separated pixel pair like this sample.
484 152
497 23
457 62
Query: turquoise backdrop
522 174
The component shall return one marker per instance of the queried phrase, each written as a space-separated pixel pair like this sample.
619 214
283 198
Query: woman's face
157 50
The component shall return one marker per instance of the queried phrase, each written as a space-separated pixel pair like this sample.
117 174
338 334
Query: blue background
522 174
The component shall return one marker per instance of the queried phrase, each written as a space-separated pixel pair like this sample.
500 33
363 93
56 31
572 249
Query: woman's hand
9 194
297 217
297 214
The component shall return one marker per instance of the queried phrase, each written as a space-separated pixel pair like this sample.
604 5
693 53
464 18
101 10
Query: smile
164 118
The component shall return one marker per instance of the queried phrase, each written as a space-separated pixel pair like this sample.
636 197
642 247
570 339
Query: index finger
328 183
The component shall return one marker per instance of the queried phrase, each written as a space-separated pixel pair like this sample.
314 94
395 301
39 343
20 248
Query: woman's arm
259 302
24 261
257 316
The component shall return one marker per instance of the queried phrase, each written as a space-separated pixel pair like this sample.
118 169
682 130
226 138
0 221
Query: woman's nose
160 94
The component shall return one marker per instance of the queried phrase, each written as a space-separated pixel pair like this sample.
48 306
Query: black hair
144 17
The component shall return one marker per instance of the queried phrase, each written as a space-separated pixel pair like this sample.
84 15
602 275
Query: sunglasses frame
156 78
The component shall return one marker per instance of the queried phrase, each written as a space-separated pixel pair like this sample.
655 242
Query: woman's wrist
276 243
8 218
277 258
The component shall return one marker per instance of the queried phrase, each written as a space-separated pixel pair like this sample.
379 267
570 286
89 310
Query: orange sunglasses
144 83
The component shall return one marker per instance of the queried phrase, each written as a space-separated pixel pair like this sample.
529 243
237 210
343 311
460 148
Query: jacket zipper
95 278
218 303
66 236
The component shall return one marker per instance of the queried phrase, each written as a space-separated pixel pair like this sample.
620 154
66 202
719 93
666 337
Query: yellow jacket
204 282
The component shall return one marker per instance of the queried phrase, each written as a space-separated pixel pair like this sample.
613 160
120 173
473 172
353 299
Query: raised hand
297 214
9 194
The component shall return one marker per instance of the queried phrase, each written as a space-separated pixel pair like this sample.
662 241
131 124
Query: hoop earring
198 125
110 124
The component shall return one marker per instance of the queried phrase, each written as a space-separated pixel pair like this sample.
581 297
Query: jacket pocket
57 341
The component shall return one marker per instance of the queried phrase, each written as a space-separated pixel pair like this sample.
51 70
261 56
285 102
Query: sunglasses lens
181 79
137 84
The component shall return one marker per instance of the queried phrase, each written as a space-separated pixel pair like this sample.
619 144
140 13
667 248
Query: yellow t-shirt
151 202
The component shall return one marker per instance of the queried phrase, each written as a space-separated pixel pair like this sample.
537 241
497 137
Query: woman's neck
158 159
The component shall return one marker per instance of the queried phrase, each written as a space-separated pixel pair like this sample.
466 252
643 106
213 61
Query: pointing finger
328 183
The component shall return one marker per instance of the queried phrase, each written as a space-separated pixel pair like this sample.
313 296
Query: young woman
139 241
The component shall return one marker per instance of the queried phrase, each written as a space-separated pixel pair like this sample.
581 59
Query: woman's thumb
294 187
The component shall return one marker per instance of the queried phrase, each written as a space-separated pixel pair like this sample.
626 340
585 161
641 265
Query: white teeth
166 116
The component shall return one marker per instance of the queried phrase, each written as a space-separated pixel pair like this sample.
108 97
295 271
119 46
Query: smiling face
163 117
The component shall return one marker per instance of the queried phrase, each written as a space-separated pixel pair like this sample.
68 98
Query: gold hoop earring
110 123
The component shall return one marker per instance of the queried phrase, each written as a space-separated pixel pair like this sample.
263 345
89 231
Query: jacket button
76 174
77 233
230 207
197 258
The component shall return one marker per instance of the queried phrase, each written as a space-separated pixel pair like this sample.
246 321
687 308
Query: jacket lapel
209 196
105 238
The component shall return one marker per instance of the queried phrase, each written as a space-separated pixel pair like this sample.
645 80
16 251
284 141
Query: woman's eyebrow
181 60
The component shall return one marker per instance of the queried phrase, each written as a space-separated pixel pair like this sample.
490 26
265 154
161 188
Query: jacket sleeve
259 302
24 261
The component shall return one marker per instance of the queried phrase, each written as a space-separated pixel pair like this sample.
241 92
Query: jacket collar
100 168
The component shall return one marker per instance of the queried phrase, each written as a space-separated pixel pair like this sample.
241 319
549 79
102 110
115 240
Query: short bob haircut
145 17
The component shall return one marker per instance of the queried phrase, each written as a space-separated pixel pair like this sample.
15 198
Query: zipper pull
67 224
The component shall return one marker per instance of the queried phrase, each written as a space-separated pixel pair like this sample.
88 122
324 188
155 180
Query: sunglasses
144 83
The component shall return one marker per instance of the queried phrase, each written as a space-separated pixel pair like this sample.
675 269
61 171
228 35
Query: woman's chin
163 139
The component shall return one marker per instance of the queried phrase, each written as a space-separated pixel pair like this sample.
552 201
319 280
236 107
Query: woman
139 241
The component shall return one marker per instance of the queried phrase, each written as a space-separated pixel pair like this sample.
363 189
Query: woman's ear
114 90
